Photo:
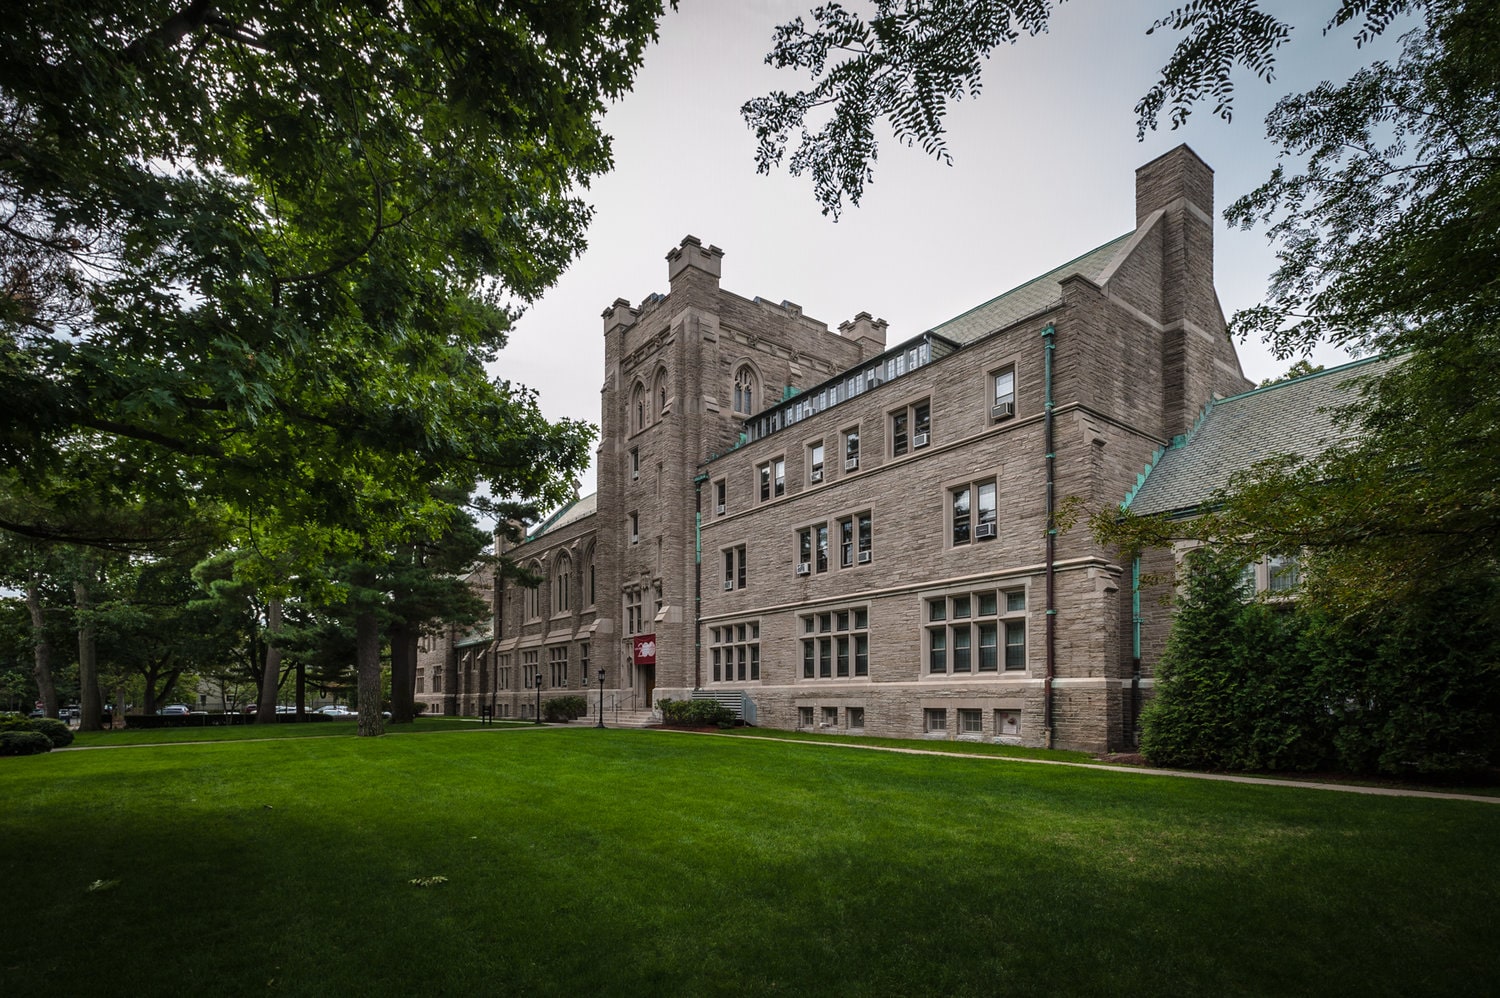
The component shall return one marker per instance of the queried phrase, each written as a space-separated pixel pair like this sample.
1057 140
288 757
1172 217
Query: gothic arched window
744 390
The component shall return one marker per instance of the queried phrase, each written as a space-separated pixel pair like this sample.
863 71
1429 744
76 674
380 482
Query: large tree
254 249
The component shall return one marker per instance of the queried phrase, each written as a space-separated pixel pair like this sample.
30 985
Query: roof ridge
1309 377
1028 283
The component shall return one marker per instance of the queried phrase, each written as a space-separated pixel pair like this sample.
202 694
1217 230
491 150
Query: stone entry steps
628 719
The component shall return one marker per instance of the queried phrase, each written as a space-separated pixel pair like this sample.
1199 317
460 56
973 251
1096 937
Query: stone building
833 530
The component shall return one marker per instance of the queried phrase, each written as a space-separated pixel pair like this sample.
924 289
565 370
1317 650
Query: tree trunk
41 668
403 673
270 677
88 659
367 669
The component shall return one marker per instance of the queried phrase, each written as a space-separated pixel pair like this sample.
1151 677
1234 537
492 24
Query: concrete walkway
1264 781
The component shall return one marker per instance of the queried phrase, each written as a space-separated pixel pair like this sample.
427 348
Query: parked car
175 710
335 710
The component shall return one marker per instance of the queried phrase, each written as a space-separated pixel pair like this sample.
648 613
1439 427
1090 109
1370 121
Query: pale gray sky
1043 171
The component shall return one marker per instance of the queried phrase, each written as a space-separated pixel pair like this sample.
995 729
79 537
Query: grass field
581 861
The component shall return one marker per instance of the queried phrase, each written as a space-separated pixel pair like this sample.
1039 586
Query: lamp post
601 699
539 694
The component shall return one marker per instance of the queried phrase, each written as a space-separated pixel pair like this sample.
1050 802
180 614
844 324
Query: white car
336 710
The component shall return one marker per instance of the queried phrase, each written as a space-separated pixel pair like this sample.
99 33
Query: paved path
1264 781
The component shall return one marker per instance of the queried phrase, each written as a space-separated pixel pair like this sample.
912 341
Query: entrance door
646 681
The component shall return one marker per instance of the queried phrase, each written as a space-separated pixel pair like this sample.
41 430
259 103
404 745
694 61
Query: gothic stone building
837 532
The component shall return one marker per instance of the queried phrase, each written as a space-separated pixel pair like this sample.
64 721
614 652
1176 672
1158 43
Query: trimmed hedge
24 743
55 731
695 713
565 709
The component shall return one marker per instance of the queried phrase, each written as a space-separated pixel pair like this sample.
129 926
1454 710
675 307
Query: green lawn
581 861
241 732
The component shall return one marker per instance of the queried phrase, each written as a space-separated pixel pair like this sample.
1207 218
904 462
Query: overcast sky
1043 171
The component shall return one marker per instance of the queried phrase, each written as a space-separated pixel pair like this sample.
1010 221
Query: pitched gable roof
1034 296
567 515
1233 434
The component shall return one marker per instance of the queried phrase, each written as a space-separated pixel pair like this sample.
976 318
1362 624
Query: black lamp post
538 695
601 699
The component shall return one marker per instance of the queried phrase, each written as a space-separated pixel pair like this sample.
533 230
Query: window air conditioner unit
864 557
985 531
817 476
1002 410
635 475
851 464
728 585
635 538
721 509
919 440
804 569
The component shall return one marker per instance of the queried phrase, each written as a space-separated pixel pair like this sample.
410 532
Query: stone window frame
562 584
859 550
557 666
961 529
905 422
996 381
947 615
835 643
735 559
770 478
816 463
744 388
735 647
814 548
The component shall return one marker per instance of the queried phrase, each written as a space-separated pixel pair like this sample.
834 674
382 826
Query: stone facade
853 535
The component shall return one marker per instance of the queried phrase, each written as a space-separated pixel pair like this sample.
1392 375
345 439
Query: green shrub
24 743
420 707
565 708
1244 685
56 731
695 713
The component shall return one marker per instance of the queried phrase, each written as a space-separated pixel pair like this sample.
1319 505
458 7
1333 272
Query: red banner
643 649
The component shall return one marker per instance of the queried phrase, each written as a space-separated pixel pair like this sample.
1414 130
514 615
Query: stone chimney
1173 176
867 332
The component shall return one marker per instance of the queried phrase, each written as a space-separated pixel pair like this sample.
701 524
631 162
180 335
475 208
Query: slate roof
1034 296
569 514
1289 417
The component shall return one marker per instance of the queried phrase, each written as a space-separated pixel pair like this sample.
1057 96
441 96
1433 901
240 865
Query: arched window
638 406
745 390
589 594
534 593
659 394
562 584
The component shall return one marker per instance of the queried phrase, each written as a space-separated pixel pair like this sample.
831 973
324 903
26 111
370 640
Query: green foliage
912 58
1256 686
263 256
569 708
24 743
695 713
58 734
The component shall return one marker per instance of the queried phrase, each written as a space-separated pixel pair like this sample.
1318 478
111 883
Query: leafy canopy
910 59
262 252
